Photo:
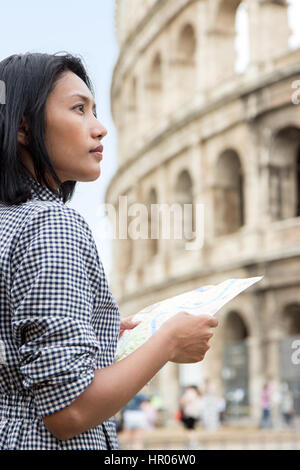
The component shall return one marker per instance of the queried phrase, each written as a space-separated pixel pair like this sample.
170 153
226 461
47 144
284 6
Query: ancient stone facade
192 130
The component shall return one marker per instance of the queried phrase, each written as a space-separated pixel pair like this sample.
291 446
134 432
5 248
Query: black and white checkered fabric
58 321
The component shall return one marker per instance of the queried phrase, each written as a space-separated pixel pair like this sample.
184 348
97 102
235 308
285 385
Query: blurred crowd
199 408
277 407
139 415
272 399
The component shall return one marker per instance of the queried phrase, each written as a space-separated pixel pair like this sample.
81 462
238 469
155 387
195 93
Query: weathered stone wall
185 119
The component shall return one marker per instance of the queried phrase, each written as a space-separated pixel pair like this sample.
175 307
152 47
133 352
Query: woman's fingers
128 324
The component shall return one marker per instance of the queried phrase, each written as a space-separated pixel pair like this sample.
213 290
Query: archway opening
183 65
187 44
284 174
229 194
184 220
289 353
235 366
154 87
230 33
242 40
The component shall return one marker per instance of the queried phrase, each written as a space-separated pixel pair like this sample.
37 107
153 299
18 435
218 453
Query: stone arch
154 86
155 77
228 193
186 45
242 38
235 365
225 14
223 36
235 328
290 319
284 174
183 194
183 64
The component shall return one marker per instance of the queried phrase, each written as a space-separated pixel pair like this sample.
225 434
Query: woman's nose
104 131
100 131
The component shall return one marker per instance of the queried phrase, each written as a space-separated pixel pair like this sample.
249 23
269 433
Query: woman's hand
189 335
127 324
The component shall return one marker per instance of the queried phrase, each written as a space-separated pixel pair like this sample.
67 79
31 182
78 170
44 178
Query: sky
87 29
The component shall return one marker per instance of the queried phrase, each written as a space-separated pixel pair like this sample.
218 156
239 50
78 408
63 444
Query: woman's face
72 130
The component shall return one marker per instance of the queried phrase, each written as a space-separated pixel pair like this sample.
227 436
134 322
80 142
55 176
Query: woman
191 407
190 404
59 323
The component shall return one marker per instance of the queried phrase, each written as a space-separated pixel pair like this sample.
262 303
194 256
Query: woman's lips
98 152
98 149
98 155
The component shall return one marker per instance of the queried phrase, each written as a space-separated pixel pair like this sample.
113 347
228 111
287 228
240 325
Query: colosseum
194 130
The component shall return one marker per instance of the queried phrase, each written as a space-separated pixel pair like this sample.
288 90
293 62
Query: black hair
27 80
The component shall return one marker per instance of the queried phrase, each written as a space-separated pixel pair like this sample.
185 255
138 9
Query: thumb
132 323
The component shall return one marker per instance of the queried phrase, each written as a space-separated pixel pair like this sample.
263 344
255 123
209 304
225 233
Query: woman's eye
82 106
79 106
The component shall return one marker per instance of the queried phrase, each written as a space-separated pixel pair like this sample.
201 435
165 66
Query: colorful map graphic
205 300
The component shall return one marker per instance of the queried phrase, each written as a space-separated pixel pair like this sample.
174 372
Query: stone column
169 389
168 78
255 376
274 371
264 216
269 30
198 196
218 58
252 193
209 210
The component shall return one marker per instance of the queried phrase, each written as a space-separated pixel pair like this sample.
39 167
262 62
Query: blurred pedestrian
150 412
266 405
211 409
190 406
222 409
135 421
157 402
287 405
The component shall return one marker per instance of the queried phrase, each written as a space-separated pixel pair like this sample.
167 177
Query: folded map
206 300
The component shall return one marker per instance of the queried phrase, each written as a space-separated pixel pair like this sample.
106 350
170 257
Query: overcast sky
84 28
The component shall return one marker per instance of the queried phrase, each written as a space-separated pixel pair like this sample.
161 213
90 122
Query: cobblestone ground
223 439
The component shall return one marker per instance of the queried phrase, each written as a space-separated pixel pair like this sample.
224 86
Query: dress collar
39 191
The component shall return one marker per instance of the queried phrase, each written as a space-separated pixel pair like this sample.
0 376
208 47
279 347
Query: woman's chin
93 175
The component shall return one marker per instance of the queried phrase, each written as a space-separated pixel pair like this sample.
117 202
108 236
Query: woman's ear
23 132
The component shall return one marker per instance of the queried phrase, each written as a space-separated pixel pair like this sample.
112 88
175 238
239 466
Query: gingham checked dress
58 321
